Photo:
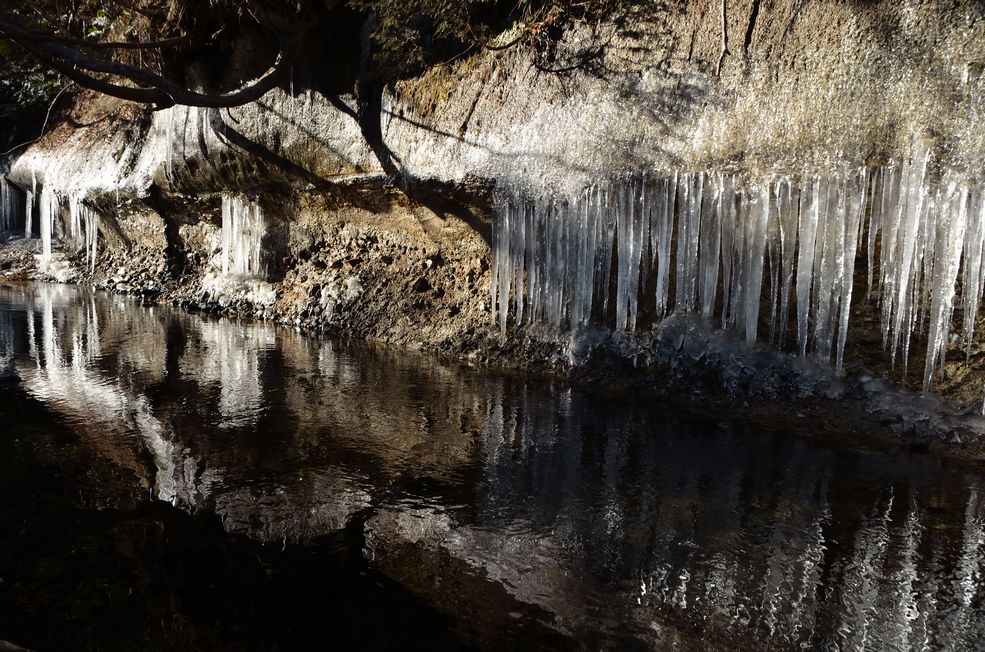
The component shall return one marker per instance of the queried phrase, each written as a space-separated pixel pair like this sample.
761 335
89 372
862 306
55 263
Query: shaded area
89 561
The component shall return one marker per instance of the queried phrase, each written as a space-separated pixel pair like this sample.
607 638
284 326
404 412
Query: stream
175 481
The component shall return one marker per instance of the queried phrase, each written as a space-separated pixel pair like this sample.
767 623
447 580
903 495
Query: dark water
174 482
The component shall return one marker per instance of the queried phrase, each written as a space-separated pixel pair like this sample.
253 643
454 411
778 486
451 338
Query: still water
446 505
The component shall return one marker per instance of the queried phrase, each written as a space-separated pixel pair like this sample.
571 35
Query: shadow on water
246 481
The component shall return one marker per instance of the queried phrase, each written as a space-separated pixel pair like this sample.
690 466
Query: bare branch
152 88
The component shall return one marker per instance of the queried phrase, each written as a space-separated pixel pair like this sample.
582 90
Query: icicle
29 207
773 255
554 258
48 210
169 143
755 229
727 217
242 237
710 244
688 238
973 279
629 242
854 206
788 216
950 232
875 221
912 195
92 235
661 236
807 235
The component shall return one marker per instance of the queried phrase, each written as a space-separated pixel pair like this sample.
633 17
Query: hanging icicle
242 237
751 254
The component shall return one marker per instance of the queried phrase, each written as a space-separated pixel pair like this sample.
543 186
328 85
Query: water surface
477 508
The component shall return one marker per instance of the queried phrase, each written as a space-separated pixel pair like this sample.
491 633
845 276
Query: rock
421 285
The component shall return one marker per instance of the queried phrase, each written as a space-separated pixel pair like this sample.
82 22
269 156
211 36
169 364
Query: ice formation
242 237
240 272
9 205
48 211
749 252
81 230
84 222
29 206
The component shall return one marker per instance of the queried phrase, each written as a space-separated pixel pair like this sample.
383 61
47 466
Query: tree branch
152 87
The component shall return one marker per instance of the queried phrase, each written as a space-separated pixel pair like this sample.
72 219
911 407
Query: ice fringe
796 238
82 228
241 272
242 237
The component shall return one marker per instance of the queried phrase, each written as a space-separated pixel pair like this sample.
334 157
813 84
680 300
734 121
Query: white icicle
48 211
710 245
855 192
950 232
757 223
242 237
973 279
807 234
558 262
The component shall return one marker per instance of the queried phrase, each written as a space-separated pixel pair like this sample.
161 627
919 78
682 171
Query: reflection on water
618 520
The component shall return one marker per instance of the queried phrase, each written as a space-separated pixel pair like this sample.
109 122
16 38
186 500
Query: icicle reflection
609 517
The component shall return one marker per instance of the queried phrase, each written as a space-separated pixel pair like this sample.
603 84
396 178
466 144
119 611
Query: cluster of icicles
242 236
715 243
82 227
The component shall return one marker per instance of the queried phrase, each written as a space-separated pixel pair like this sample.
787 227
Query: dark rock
421 285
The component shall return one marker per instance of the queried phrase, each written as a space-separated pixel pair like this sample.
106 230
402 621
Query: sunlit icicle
92 236
891 215
242 237
807 235
788 206
756 228
48 210
855 193
773 256
950 236
875 221
973 278
912 195
688 238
